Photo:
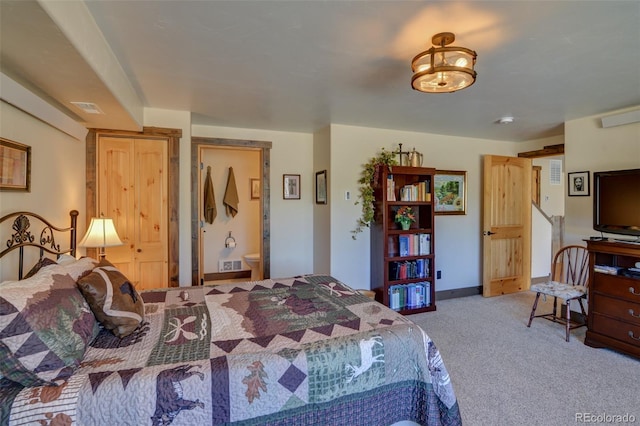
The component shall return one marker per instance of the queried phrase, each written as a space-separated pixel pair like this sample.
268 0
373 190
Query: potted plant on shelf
405 217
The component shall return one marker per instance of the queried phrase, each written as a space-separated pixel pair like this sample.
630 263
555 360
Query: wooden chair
569 281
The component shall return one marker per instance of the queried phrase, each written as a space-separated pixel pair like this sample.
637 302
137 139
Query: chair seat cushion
563 291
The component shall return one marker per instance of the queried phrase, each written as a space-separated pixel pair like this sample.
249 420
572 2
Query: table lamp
101 233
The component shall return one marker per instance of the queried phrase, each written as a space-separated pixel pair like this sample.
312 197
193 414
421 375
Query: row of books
414 244
410 296
419 191
410 269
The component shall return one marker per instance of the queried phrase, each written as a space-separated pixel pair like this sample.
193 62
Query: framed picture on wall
578 184
255 188
450 190
291 187
321 187
15 166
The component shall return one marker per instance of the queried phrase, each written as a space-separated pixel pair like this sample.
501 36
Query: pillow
45 327
113 299
65 259
44 261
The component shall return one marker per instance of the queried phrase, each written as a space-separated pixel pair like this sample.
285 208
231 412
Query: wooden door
506 225
132 189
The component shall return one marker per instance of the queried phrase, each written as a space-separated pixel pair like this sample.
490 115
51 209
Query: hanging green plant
368 181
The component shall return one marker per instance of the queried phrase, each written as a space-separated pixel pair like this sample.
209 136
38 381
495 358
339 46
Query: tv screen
616 202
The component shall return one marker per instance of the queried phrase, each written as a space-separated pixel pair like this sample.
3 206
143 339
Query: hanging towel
230 200
210 211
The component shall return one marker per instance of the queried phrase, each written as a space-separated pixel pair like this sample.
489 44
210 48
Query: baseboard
538 280
575 316
216 276
458 292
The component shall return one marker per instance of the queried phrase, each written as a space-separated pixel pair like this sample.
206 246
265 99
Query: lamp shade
101 233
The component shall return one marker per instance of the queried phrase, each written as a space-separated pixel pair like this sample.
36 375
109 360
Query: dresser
614 297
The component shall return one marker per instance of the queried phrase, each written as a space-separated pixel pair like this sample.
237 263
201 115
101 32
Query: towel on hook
210 211
230 200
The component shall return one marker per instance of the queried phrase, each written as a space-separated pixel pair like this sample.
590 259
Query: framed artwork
15 166
450 190
291 187
254 185
321 187
578 184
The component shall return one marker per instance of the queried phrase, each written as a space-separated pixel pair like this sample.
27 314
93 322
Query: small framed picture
291 187
15 166
255 188
321 187
579 184
450 189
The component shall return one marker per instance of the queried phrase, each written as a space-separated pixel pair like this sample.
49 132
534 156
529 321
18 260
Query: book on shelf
391 188
410 296
409 269
411 245
419 191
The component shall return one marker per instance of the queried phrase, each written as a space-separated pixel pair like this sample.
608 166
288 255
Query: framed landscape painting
450 190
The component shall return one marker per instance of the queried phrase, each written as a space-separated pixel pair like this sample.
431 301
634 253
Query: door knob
488 233
139 250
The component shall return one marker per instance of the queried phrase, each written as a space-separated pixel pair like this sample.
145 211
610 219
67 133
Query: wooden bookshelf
403 261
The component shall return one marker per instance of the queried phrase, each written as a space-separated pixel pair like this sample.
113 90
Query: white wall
458 241
57 176
322 212
589 147
291 220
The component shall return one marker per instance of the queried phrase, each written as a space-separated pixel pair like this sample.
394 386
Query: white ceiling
301 65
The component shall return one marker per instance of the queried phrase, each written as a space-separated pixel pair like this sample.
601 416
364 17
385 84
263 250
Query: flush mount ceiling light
443 68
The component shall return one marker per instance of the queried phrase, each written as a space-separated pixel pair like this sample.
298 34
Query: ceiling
301 65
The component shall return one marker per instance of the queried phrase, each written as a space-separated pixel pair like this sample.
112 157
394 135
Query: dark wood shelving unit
386 233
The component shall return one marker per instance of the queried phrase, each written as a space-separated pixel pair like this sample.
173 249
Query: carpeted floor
504 373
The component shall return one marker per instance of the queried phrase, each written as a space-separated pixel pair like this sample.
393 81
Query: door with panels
132 189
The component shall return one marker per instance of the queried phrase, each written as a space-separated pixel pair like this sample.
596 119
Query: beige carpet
504 373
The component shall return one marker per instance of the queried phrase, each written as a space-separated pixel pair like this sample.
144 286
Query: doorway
198 171
171 167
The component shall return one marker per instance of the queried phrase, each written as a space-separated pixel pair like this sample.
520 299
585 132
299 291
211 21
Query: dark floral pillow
44 261
113 299
45 327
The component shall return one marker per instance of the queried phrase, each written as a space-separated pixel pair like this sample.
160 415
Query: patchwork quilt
307 350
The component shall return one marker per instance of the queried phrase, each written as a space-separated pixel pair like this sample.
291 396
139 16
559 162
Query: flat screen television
616 202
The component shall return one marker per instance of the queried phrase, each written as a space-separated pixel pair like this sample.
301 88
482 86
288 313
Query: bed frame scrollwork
25 236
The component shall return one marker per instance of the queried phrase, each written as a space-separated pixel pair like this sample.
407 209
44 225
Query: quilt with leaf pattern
306 350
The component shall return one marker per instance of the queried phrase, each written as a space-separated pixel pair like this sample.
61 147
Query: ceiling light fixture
506 120
443 69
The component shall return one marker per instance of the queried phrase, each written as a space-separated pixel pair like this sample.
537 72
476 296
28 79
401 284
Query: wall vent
230 265
88 107
555 172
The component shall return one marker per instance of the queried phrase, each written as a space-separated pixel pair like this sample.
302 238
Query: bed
305 350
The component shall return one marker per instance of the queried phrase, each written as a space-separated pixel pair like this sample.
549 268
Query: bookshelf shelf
403 261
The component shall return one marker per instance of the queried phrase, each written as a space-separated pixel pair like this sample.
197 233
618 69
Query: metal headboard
23 236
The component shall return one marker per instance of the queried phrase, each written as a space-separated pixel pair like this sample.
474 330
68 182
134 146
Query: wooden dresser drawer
620 309
617 329
616 285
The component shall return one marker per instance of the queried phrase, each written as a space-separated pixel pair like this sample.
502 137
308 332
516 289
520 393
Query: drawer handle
633 314
632 336
633 291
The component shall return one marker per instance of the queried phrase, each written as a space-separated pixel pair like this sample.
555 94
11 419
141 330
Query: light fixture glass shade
443 69
101 233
